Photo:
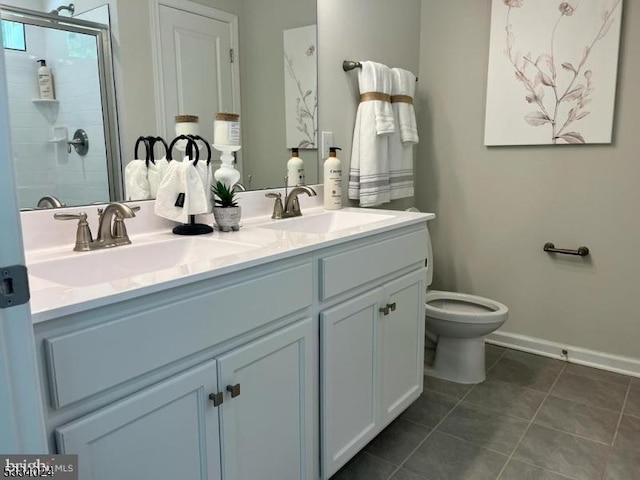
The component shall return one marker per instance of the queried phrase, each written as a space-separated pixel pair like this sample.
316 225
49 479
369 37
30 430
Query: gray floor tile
429 409
571 417
526 370
365 467
521 471
397 441
563 453
597 374
633 400
507 398
590 392
445 387
623 465
492 354
628 437
442 457
484 427
404 474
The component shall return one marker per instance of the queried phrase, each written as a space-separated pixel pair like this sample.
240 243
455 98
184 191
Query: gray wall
385 31
497 206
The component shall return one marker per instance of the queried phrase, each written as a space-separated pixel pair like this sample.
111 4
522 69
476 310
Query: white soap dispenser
333 181
45 81
295 169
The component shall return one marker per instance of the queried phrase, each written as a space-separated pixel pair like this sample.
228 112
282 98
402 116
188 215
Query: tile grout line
615 434
531 422
439 423
399 467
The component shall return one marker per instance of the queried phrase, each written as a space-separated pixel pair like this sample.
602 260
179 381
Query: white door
196 66
267 418
21 413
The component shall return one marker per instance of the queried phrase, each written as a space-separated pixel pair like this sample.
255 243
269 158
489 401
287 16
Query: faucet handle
119 233
277 206
83 234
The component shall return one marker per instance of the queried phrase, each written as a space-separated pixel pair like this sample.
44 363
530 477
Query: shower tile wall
43 167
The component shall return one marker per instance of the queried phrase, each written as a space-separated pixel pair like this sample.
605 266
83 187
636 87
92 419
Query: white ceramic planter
228 218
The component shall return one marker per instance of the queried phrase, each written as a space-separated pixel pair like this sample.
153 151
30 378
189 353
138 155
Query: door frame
156 57
21 408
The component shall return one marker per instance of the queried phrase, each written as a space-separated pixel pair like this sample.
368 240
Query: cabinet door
167 431
267 418
350 385
402 334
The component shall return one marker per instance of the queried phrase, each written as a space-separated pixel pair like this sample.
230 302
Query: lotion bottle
45 81
332 181
295 169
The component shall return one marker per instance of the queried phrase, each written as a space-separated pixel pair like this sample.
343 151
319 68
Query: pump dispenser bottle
333 181
45 81
295 169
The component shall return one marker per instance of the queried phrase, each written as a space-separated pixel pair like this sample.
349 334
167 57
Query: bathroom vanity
279 357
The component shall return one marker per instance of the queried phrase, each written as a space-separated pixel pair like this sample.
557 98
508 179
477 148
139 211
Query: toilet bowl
459 322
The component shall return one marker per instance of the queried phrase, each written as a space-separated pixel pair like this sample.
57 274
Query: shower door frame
102 33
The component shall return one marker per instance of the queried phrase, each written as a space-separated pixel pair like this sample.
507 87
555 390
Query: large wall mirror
258 57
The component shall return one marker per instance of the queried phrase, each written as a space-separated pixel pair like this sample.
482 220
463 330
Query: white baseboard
581 356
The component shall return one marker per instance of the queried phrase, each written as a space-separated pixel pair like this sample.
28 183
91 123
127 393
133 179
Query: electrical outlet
327 141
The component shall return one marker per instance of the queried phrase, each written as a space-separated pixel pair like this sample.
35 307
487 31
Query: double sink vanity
276 352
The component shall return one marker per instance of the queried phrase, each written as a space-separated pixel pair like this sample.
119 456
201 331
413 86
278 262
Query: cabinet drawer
88 361
344 271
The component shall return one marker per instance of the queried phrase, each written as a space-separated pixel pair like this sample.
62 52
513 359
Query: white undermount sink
327 222
90 268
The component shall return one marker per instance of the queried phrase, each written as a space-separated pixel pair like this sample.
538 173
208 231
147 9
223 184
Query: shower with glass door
65 145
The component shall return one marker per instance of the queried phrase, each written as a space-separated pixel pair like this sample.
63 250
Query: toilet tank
429 272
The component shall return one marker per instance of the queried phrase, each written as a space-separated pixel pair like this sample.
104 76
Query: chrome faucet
112 231
291 203
50 201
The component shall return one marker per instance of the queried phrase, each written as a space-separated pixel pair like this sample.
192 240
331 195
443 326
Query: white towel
155 174
369 169
136 181
181 181
401 142
205 177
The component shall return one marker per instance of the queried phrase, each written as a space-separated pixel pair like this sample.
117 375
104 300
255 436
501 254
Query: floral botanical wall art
301 87
552 71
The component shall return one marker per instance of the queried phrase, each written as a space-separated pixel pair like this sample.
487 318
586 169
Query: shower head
71 8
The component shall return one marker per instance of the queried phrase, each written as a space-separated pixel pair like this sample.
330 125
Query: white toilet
458 323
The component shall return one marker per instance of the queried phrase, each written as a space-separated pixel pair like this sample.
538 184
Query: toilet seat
463 308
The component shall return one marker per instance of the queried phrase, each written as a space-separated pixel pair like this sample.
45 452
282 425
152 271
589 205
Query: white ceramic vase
227 218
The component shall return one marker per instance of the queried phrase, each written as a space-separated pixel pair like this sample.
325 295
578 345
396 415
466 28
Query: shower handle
80 142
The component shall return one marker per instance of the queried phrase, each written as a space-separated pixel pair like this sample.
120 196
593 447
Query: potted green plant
226 211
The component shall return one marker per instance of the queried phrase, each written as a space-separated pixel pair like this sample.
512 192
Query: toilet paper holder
580 251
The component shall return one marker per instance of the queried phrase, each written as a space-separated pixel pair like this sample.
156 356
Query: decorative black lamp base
192 228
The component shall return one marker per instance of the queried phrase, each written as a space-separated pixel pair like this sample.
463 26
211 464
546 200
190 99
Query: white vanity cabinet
213 380
175 429
372 344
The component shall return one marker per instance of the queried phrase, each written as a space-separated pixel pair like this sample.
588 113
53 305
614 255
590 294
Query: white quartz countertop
261 241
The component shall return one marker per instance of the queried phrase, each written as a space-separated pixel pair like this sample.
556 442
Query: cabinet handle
392 306
234 390
384 310
216 398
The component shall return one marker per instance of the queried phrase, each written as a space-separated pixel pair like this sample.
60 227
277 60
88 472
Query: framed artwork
301 87
552 71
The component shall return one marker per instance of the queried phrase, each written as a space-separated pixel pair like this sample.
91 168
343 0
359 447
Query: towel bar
352 65
551 248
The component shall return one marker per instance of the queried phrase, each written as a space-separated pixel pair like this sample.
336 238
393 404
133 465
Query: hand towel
155 173
205 177
181 193
136 181
369 169
401 142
